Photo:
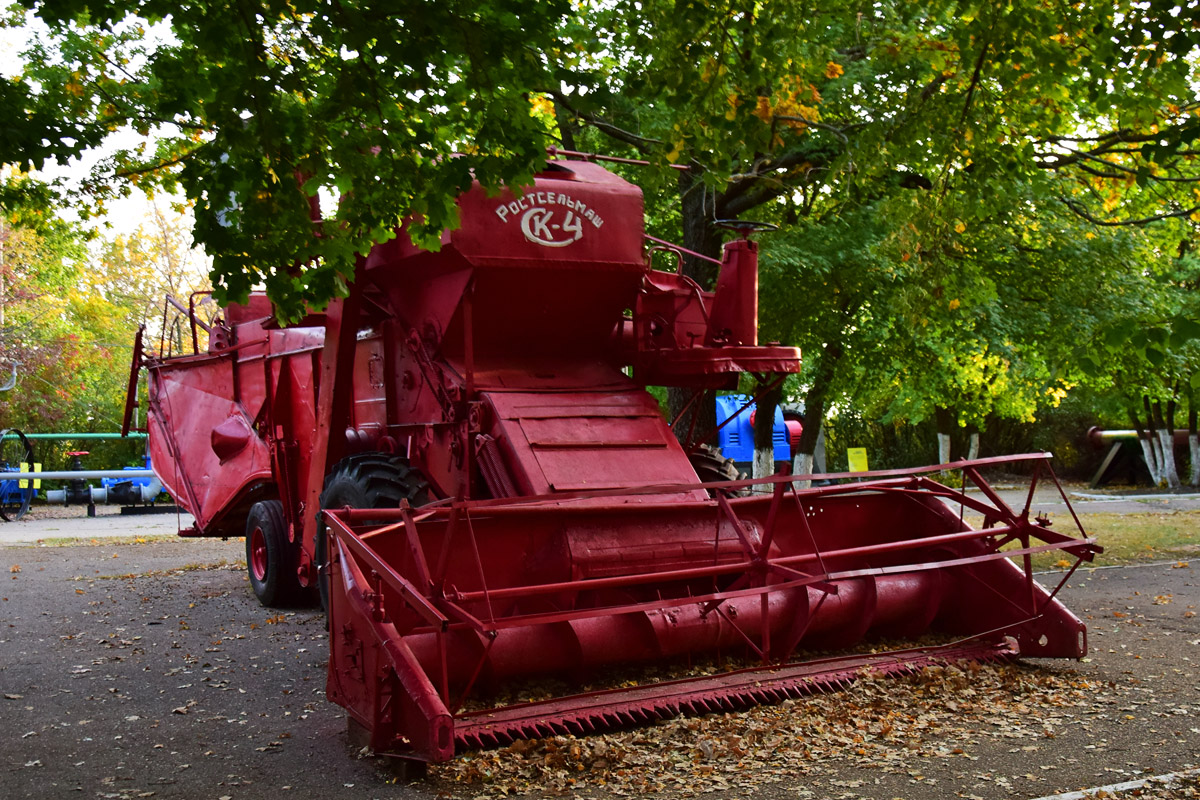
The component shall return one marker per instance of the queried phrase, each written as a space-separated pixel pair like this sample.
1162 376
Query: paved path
148 670
1048 500
74 523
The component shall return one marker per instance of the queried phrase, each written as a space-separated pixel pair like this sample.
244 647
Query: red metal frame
131 387
424 623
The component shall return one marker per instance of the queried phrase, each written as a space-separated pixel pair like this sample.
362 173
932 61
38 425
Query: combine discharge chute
462 460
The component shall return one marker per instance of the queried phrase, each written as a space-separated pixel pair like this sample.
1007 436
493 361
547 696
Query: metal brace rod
419 603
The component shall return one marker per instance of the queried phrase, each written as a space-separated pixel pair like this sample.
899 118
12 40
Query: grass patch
1130 538
223 564
103 541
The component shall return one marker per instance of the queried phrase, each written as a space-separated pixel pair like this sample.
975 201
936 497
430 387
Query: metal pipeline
80 436
1099 437
85 474
125 493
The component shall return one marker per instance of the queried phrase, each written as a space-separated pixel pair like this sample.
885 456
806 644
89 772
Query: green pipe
132 435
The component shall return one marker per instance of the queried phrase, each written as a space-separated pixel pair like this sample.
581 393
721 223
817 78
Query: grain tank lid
585 172
575 215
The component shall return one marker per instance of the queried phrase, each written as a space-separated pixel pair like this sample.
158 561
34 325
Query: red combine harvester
461 457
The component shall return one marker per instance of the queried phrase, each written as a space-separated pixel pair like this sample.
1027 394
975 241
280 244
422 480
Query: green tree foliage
945 173
1146 357
956 165
900 313
40 262
258 106
69 308
784 99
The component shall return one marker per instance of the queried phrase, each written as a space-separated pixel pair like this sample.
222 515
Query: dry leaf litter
892 724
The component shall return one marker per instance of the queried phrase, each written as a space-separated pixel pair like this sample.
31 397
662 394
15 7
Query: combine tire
366 480
711 465
270 557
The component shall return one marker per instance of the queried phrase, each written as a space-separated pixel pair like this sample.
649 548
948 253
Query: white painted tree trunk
1170 473
973 448
1194 449
802 464
943 448
1149 452
763 467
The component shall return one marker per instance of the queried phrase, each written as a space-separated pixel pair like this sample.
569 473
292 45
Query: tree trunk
1166 439
764 429
818 456
1169 473
1193 442
1172 407
698 207
814 410
696 203
972 443
806 463
944 419
565 129
703 411
1158 474
1146 441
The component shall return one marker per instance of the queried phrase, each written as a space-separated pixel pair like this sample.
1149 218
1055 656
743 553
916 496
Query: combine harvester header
503 500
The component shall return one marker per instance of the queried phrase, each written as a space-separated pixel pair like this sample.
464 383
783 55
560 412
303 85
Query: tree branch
974 82
1106 143
761 193
838 132
1078 156
1083 212
762 169
641 143
126 173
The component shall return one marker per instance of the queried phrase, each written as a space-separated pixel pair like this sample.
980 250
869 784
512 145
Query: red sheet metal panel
187 406
575 216
207 440
572 441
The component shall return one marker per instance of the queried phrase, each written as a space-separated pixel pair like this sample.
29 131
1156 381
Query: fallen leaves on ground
893 724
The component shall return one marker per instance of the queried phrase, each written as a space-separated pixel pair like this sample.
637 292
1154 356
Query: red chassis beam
432 606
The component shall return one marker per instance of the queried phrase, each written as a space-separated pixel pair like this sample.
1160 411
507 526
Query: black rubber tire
711 465
365 480
271 560
11 458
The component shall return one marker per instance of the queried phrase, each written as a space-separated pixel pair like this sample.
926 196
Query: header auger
503 500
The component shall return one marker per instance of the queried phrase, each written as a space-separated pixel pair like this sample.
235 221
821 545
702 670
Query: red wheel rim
258 555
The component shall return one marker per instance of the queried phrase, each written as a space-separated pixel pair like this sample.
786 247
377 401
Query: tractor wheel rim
258 555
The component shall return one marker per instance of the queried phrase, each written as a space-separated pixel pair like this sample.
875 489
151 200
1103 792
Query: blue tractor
736 438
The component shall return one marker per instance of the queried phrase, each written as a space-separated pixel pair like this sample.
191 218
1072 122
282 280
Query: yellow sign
858 459
37 482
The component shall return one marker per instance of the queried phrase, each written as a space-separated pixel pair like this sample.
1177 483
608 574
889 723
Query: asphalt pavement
134 670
